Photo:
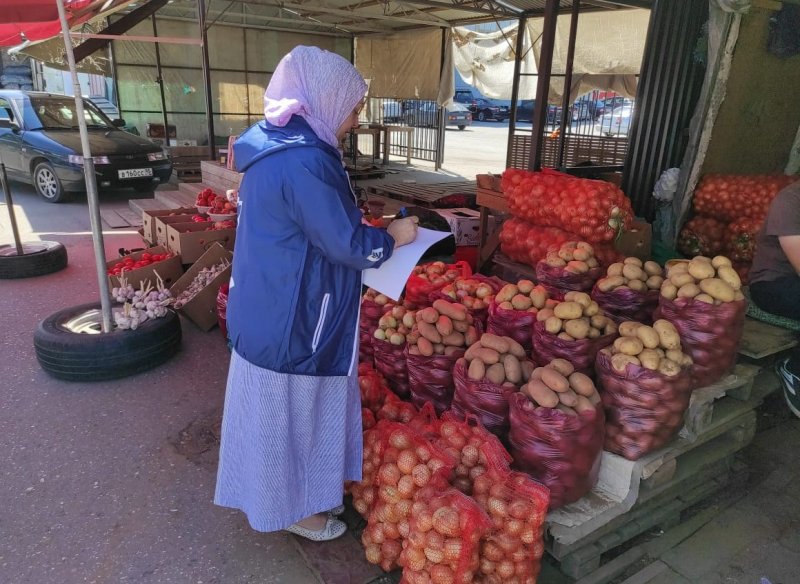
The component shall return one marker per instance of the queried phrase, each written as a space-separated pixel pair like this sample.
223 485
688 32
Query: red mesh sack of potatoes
396 410
410 462
428 279
644 408
379 399
626 304
557 280
485 400
560 450
710 334
371 312
581 353
517 324
444 540
512 549
462 290
430 379
364 492
390 361
367 419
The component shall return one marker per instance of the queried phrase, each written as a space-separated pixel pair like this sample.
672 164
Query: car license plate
135 173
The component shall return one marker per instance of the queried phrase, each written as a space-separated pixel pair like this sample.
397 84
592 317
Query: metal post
89 174
161 84
573 34
10 204
512 123
201 19
543 83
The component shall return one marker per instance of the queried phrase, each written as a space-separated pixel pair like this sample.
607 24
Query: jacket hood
263 139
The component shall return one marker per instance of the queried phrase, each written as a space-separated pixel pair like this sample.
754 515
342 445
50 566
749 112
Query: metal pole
10 204
573 34
512 123
543 83
161 84
89 174
201 19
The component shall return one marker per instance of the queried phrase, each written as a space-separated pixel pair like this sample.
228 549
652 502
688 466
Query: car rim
88 322
47 183
27 248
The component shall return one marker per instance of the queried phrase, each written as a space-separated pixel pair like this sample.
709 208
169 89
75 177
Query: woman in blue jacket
291 432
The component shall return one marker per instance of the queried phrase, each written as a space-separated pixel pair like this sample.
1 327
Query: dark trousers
781 297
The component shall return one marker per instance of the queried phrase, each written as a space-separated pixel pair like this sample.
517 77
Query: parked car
423 114
392 111
482 109
615 123
458 115
525 110
40 144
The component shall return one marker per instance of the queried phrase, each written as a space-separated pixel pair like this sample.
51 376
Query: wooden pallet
174 199
188 174
121 218
423 195
763 343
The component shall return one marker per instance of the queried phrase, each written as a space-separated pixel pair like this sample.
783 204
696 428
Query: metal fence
425 117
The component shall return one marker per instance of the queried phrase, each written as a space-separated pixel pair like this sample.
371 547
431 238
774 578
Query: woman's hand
403 231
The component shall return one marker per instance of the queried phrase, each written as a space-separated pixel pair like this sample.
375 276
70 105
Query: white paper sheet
390 278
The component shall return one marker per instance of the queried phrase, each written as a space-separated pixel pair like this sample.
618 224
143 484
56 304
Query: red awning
37 20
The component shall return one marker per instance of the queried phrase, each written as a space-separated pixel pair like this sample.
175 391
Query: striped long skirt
289 442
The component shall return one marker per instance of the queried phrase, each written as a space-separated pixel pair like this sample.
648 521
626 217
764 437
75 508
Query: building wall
758 120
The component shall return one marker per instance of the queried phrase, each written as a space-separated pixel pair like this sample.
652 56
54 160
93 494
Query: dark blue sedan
40 144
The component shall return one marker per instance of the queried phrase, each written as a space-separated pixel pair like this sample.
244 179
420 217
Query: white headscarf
321 87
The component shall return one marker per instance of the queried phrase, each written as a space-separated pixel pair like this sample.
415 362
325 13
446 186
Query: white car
614 123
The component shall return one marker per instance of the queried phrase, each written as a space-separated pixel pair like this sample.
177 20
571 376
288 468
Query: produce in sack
740 239
574 330
367 421
557 431
440 335
701 235
646 384
443 542
490 371
526 243
702 298
513 311
380 399
629 290
365 491
394 325
373 306
203 278
571 267
732 197
597 211
127 263
475 293
511 550
222 309
146 303
388 347
427 279
409 463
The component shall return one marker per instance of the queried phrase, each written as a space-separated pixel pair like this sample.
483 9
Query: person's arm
331 225
790 244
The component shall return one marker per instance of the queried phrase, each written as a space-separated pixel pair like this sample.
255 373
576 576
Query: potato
581 298
429 315
568 398
584 404
581 383
555 262
525 286
667 334
705 298
610 328
425 346
444 325
488 356
633 272
676 355
650 359
637 285
728 275
397 339
454 311
592 262
451 350
429 331
438 348
553 325
688 291
738 296
544 314
554 380
563 366
471 336
648 336
652 268
477 370
513 369
564 336
598 321
499 344
701 269
379 334
654 282
462 326
718 289
454 339
483 291
540 393
669 368
620 361
678 268
610 283
527 369
591 310
628 328
566 410
594 333
581 255
539 297
669 290
521 302
576 267
565 253
615 269
567 310
681 279
506 293
496 374
413 337
515 348
628 345
577 328
414 350
632 261
719 261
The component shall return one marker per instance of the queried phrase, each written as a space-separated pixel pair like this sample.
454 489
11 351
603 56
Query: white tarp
608 55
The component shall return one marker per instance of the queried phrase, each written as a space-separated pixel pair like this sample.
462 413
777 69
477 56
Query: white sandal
336 511
333 528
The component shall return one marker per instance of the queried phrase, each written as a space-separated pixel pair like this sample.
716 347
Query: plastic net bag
485 400
222 308
644 408
390 361
371 313
626 304
557 280
517 324
430 379
581 353
560 450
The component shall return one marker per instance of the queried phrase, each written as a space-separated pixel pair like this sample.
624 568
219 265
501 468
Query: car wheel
70 346
461 127
481 116
47 184
39 258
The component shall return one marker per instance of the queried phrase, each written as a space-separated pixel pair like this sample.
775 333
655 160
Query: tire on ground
38 263
100 357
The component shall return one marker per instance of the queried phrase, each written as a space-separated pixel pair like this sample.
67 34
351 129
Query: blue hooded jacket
300 248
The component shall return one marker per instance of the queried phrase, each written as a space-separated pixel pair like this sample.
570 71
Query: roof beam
477 6
118 27
317 9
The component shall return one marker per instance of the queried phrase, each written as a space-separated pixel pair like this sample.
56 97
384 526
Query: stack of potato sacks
389 346
630 290
646 384
572 267
512 313
703 299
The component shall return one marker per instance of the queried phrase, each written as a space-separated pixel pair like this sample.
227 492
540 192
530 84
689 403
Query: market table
387 134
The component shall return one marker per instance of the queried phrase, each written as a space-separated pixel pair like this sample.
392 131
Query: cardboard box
466 225
149 224
202 309
162 222
636 241
169 270
191 240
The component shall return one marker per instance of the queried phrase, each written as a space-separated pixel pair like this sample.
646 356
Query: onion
452 549
492 552
400 440
413 558
406 461
389 494
505 569
421 475
406 486
497 506
423 453
442 575
373 554
446 521
424 521
434 540
389 474
434 555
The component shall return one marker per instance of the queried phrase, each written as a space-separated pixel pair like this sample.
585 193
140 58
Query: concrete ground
113 482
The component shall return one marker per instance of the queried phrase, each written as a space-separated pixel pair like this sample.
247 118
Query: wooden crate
219 178
492 199
423 195
600 150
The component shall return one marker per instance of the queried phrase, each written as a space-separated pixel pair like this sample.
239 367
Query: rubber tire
101 357
60 195
29 265
461 127
482 116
